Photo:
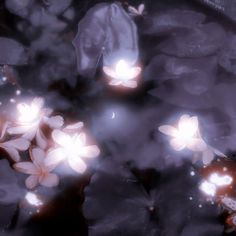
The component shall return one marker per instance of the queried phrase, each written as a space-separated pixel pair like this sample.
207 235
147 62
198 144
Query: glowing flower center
187 130
28 113
123 70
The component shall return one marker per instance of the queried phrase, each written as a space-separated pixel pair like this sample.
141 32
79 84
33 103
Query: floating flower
31 117
38 169
13 146
137 11
186 135
73 148
123 74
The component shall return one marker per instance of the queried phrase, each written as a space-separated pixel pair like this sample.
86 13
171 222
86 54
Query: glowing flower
137 11
186 135
123 74
71 147
38 169
13 146
31 117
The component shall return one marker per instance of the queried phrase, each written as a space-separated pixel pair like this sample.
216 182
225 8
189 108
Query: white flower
136 12
13 146
31 117
73 148
38 169
185 135
123 74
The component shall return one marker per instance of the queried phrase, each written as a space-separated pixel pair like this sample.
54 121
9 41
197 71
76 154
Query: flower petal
90 151
77 164
141 8
130 84
54 157
50 180
133 10
55 122
196 144
134 72
4 129
77 125
31 181
115 82
41 139
37 155
177 144
60 137
30 134
109 71
18 129
38 102
26 167
168 130
12 152
19 144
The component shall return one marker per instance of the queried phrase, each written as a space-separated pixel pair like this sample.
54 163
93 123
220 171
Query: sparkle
18 92
220 180
208 188
12 100
33 199
192 173
4 78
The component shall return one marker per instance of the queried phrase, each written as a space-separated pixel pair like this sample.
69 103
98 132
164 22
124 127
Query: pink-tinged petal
77 125
54 157
60 137
177 144
82 138
37 155
47 111
168 130
30 134
38 102
31 181
49 180
41 139
90 151
130 84
141 8
55 122
133 10
197 145
18 129
4 129
207 156
109 71
134 72
183 120
19 144
115 82
77 164
26 167
12 152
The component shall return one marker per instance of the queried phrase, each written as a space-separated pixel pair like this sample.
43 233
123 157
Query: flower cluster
28 133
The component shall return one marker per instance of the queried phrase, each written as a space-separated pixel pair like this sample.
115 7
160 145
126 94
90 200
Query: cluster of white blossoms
46 152
186 135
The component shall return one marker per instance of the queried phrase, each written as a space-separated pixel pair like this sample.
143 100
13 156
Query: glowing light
33 199
220 180
18 92
123 74
29 112
186 135
113 115
208 188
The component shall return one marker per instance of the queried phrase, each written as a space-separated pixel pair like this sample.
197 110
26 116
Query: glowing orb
220 180
33 199
208 188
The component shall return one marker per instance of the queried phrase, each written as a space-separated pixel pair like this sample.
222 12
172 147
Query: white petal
49 180
18 129
38 102
207 156
77 125
196 144
54 157
141 8
60 137
4 129
82 138
41 139
12 152
26 167
168 130
130 84
134 72
77 164
115 82
19 143
109 71
55 122
177 144
90 151
31 181
133 10
37 155
30 134
183 120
